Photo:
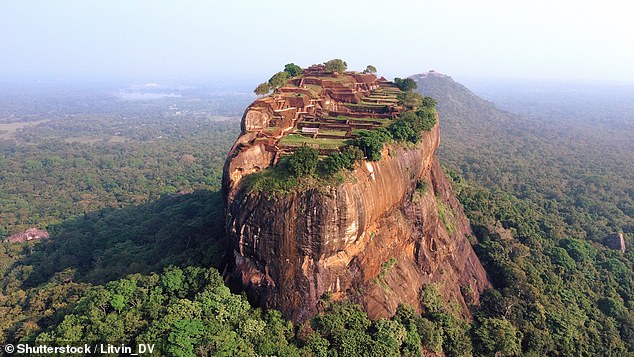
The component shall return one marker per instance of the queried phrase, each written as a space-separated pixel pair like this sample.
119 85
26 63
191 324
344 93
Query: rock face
29 234
616 242
375 239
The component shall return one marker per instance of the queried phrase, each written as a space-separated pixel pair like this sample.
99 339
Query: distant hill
470 125
582 165
454 98
557 183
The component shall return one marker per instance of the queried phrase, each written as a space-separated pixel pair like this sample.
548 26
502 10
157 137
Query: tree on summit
262 89
369 69
292 70
336 65
279 79
405 84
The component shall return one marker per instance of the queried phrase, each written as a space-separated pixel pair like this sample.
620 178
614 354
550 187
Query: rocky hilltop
389 228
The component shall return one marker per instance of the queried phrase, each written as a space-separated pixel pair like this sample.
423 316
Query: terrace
322 110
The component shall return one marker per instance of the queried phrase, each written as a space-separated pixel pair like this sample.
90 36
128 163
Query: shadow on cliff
111 243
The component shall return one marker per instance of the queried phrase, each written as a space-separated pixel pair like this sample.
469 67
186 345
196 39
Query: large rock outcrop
28 235
377 239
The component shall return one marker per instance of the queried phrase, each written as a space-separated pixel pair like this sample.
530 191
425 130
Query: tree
431 299
391 333
425 119
262 89
371 142
345 159
336 65
560 257
402 131
279 79
429 102
172 280
406 84
303 162
410 99
411 123
317 345
292 70
370 69
494 335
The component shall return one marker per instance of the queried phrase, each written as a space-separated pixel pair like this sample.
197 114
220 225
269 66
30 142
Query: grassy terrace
364 104
383 93
340 78
315 89
381 96
387 90
279 180
340 133
381 121
323 143
389 99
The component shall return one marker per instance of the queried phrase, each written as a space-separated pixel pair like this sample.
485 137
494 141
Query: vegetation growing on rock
405 84
328 109
303 162
369 69
336 65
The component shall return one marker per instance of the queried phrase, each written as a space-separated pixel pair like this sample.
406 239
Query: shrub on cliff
429 102
405 84
303 162
426 119
371 142
344 159
411 123
402 130
410 99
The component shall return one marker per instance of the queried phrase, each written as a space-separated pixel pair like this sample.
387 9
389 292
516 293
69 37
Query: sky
213 40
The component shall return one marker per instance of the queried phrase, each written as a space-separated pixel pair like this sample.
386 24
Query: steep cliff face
374 239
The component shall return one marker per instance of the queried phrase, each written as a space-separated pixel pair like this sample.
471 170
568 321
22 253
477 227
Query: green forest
129 191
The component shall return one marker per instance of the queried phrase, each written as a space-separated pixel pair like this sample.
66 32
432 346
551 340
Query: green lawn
355 105
333 132
299 140
315 89
381 120
382 99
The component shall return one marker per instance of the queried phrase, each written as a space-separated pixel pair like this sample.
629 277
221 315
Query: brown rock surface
29 234
616 242
291 250
373 239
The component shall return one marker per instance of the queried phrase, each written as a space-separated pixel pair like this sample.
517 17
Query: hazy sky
212 39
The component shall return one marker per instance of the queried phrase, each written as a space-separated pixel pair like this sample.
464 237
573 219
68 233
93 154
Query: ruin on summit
321 109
